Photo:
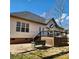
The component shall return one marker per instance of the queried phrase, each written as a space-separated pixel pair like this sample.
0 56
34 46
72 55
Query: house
25 27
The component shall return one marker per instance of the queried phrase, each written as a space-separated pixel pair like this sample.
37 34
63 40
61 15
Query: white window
22 27
18 25
27 27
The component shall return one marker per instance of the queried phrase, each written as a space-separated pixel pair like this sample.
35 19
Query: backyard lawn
20 52
66 56
29 56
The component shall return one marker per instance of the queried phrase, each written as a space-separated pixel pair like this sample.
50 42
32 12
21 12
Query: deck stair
44 38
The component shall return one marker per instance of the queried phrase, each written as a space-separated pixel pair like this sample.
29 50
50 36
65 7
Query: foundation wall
49 40
20 40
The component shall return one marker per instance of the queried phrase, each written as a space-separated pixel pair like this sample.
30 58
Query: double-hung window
27 27
18 25
23 27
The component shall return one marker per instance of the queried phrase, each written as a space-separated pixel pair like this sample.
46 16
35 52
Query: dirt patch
18 48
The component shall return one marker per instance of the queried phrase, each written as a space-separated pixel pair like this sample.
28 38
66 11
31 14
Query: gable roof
29 16
55 23
33 17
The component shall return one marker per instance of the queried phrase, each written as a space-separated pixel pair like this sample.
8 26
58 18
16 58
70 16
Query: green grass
33 55
36 55
22 56
66 56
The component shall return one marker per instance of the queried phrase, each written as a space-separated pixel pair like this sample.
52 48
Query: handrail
48 34
38 36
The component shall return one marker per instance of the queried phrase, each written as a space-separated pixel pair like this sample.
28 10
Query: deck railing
53 33
49 34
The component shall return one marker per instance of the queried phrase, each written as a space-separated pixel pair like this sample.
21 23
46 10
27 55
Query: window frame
18 27
27 27
22 27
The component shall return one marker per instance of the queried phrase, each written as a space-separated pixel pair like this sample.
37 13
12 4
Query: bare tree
59 9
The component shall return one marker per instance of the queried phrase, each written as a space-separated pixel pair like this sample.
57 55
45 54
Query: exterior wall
33 29
56 41
20 40
49 40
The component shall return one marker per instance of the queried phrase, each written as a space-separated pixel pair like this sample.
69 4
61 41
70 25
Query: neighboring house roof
55 23
29 16
33 17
